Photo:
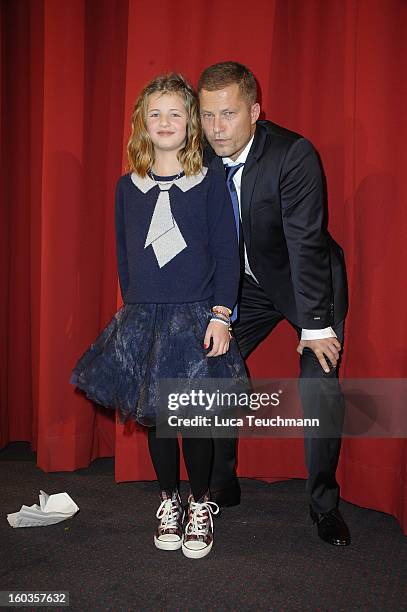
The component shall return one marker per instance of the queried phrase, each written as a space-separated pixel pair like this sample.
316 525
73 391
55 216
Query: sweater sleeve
223 242
121 249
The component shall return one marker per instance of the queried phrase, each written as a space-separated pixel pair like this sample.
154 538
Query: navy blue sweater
208 268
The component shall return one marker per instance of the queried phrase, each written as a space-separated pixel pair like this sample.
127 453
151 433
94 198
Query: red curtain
333 70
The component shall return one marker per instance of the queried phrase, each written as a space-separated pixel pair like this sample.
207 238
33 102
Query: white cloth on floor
52 509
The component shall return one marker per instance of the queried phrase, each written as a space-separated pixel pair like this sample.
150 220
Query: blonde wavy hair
140 149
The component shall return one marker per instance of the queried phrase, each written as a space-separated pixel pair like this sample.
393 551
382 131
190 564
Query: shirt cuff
317 334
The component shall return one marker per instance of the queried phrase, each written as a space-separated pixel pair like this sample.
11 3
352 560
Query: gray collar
185 183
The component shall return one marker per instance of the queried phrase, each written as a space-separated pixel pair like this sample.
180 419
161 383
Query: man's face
228 120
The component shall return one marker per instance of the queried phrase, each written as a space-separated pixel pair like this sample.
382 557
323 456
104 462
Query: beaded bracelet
220 314
221 310
220 321
221 317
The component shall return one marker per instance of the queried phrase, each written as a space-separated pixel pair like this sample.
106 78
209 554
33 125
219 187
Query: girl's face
166 121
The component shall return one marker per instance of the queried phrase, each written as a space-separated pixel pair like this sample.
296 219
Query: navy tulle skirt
143 344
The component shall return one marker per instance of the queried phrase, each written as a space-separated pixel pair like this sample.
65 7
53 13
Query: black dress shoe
331 527
227 497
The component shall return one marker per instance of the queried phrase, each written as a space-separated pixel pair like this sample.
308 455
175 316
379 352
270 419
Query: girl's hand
220 337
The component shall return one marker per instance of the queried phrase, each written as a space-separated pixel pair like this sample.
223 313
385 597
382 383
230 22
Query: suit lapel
249 175
249 178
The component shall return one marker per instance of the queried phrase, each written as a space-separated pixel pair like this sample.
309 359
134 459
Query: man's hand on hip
325 347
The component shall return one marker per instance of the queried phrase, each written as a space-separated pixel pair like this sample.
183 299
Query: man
292 269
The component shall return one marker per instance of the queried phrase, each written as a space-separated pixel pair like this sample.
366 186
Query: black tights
198 456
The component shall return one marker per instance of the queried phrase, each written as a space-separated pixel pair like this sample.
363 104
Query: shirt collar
242 157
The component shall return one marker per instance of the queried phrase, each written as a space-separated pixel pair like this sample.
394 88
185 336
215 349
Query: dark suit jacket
292 255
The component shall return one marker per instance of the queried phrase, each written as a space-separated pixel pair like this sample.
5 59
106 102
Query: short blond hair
140 149
221 75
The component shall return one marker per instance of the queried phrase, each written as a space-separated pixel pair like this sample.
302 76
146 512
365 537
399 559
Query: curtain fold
332 70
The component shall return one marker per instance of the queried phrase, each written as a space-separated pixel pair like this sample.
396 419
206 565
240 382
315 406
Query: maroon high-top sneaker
198 532
168 535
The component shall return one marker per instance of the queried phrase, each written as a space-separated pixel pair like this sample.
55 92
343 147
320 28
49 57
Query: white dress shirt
306 334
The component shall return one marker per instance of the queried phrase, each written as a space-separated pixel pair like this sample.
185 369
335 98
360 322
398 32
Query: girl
178 266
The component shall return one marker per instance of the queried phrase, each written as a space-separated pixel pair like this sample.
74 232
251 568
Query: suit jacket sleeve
302 204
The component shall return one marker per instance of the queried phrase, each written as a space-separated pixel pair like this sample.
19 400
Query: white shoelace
197 522
169 514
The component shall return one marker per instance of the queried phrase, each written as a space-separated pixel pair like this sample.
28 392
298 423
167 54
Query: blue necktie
230 173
